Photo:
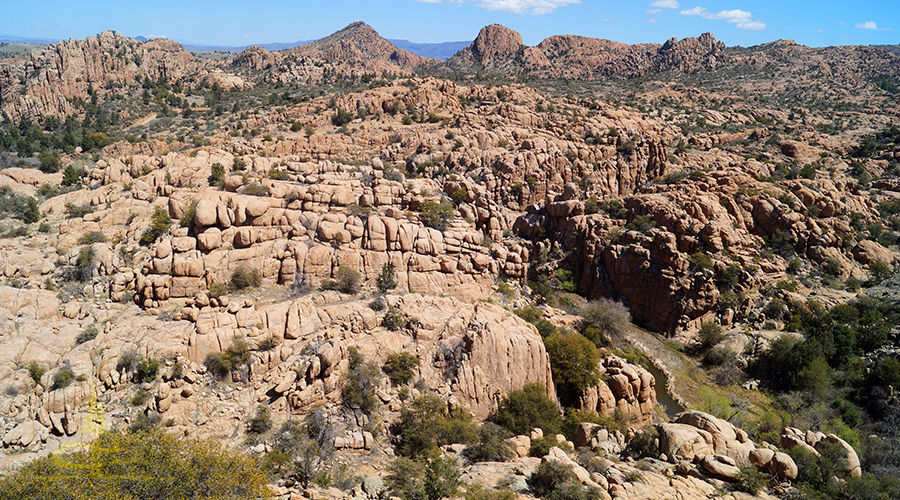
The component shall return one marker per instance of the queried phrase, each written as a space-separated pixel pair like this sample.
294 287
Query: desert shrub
261 422
775 309
880 271
62 378
436 214
49 162
522 410
302 450
555 480
35 371
154 465
394 319
140 398
347 279
341 118
187 217
159 225
491 446
541 447
702 260
426 424
423 480
400 367
86 335
221 363
641 223
710 334
729 277
481 492
267 344
378 304
360 383
608 318
545 328
574 360
146 370
92 237
243 278
255 190
529 313
72 175
218 289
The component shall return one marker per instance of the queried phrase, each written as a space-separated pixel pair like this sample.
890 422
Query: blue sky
235 23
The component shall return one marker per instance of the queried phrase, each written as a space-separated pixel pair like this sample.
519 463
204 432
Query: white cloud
666 4
654 11
740 18
535 7
870 25
651 21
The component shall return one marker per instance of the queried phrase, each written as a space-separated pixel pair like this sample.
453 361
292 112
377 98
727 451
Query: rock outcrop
625 387
45 82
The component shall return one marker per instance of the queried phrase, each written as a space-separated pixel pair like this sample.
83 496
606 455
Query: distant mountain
893 49
441 51
26 40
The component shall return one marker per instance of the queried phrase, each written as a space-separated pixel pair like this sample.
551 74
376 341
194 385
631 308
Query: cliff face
44 82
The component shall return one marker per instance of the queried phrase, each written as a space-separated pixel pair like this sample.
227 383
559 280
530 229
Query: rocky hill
286 234
359 43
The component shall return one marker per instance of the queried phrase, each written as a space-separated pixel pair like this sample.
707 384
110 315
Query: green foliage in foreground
148 466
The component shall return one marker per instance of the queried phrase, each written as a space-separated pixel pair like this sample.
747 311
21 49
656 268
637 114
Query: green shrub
522 410
541 447
146 370
360 383
555 480
378 305
420 480
159 226
341 118
221 363
261 422
710 334
62 378
154 465
481 492
426 424
641 223
400 367
436 215
187 217
72 175
217 175
86 335
217 290
385 280
243 278
348 280
36 371
492 445
394 319
140 398
574 361
49 162
702 260
92 237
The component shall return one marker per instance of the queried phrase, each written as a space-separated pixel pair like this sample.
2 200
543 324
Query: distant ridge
441 51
